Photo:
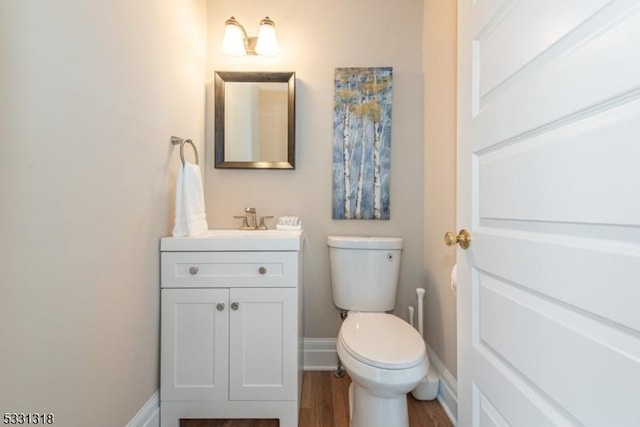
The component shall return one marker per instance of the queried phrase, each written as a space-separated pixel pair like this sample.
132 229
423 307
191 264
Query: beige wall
440 175
316 37
91 93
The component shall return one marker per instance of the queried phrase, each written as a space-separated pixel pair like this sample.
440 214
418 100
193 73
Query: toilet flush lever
463 238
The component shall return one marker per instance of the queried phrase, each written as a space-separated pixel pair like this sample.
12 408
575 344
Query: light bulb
267 44
233 41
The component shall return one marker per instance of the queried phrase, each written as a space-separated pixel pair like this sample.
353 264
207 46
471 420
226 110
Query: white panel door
194 344
549 186
263 339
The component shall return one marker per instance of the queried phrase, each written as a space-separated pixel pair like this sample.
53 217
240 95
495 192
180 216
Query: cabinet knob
262 270
220 306
235 305
193 270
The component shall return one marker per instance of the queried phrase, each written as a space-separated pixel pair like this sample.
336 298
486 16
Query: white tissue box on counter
289 223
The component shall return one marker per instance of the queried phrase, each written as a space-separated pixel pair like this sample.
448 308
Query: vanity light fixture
236 42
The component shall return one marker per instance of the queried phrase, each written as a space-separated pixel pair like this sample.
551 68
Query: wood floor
325 404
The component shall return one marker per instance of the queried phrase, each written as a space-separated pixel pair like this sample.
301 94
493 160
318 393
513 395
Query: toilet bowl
385 358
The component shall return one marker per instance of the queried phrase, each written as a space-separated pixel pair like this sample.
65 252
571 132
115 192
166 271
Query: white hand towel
190 218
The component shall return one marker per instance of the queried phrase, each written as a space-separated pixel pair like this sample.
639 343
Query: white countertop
236 240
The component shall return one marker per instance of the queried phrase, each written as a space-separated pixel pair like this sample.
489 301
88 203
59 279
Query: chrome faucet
250 214
249 221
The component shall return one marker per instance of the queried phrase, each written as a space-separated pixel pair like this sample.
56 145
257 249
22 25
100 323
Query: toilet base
368 410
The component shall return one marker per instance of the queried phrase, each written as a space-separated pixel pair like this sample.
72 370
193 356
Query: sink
224 233
236 240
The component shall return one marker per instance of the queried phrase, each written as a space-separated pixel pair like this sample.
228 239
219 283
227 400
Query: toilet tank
364 272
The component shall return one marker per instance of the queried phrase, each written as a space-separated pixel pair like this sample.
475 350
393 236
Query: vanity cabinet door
194 344
263 344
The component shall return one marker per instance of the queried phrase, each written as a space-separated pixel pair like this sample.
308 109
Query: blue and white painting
362 143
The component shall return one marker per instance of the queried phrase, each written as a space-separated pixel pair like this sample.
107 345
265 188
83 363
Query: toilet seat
382 340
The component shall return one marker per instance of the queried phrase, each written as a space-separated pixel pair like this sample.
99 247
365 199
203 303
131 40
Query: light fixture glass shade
233 41
267 44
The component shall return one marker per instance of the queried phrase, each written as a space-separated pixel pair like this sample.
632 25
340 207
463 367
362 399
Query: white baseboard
448 389
149 414
320 354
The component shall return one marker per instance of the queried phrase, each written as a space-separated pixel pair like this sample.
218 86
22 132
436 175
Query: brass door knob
463 237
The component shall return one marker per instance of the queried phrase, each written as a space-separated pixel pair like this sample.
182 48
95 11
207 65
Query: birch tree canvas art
362 142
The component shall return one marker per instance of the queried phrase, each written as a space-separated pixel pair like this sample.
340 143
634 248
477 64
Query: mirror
254 120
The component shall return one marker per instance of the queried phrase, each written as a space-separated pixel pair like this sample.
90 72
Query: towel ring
176 140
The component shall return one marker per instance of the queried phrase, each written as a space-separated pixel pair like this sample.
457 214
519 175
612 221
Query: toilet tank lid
364 242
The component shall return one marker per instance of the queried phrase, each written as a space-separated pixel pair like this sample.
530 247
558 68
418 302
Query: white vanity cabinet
231 329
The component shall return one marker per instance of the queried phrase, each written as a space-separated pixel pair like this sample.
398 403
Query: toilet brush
411 315
427 388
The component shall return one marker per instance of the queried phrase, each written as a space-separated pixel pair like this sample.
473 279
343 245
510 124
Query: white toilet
384 356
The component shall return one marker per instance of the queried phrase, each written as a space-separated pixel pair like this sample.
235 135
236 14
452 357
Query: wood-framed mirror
254 120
